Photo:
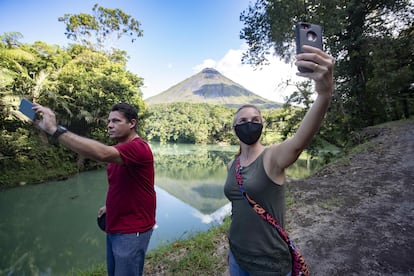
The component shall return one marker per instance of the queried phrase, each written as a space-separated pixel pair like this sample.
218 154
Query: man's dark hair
128 110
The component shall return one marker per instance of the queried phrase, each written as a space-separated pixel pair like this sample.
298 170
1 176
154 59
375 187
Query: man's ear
133 123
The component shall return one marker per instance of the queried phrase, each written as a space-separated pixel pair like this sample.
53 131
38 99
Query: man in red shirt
131 200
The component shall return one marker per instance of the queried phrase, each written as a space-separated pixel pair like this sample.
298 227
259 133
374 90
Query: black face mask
249 132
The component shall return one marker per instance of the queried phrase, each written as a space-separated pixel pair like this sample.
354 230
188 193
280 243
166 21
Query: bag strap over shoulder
299 266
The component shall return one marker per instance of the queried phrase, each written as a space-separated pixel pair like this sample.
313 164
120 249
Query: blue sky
181 37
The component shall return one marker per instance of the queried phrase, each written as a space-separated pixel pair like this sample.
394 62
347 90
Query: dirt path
356 217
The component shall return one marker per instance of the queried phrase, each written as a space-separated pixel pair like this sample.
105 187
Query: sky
180 38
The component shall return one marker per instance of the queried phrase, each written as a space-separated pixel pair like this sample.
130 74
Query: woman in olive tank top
256 248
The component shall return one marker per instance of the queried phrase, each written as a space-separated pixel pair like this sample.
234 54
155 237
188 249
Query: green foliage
79 84
26 157
190 123
87 87
202 162
212 124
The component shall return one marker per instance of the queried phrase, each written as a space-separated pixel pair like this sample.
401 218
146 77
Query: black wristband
59 131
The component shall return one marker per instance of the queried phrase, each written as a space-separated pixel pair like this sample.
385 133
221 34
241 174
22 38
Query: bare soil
356 216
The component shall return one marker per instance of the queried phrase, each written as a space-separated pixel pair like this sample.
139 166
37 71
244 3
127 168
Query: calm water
50 229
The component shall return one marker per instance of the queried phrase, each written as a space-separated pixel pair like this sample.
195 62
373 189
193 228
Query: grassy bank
204 253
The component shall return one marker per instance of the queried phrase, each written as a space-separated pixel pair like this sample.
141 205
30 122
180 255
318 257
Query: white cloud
268 82
216 217
210 63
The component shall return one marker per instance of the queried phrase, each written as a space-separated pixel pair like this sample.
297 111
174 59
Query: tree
353 30
15 80
11 39
100 30
192 123
79 83
88 85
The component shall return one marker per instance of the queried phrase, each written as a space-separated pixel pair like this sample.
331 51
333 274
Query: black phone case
26 109
307 34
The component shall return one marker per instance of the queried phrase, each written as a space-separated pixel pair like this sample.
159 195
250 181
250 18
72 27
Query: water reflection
194 173
178 220
50 229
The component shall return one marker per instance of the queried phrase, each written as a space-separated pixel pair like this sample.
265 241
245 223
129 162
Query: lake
51 229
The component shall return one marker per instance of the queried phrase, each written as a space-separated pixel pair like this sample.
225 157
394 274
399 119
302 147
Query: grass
201 254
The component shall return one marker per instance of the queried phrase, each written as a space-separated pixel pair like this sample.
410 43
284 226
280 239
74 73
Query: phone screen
26 109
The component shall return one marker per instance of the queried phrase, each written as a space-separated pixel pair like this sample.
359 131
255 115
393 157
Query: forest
372 42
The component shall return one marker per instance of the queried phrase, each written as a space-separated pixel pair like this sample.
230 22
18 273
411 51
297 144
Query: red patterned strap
299 266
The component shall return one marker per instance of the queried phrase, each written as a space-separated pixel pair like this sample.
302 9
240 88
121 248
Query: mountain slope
209 86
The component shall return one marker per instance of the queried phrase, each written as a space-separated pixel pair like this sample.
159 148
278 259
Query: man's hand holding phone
26 107
41 116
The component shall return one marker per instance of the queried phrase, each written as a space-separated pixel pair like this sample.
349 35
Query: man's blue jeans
125 253
236 270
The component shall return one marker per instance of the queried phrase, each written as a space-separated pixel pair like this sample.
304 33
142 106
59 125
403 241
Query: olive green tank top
254 243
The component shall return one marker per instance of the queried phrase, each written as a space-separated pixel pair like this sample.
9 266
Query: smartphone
26 109
307 34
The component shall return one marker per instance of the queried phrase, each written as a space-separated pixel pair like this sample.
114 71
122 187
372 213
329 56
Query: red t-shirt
131 201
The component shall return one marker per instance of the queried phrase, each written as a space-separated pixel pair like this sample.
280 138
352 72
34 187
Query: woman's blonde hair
246 106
